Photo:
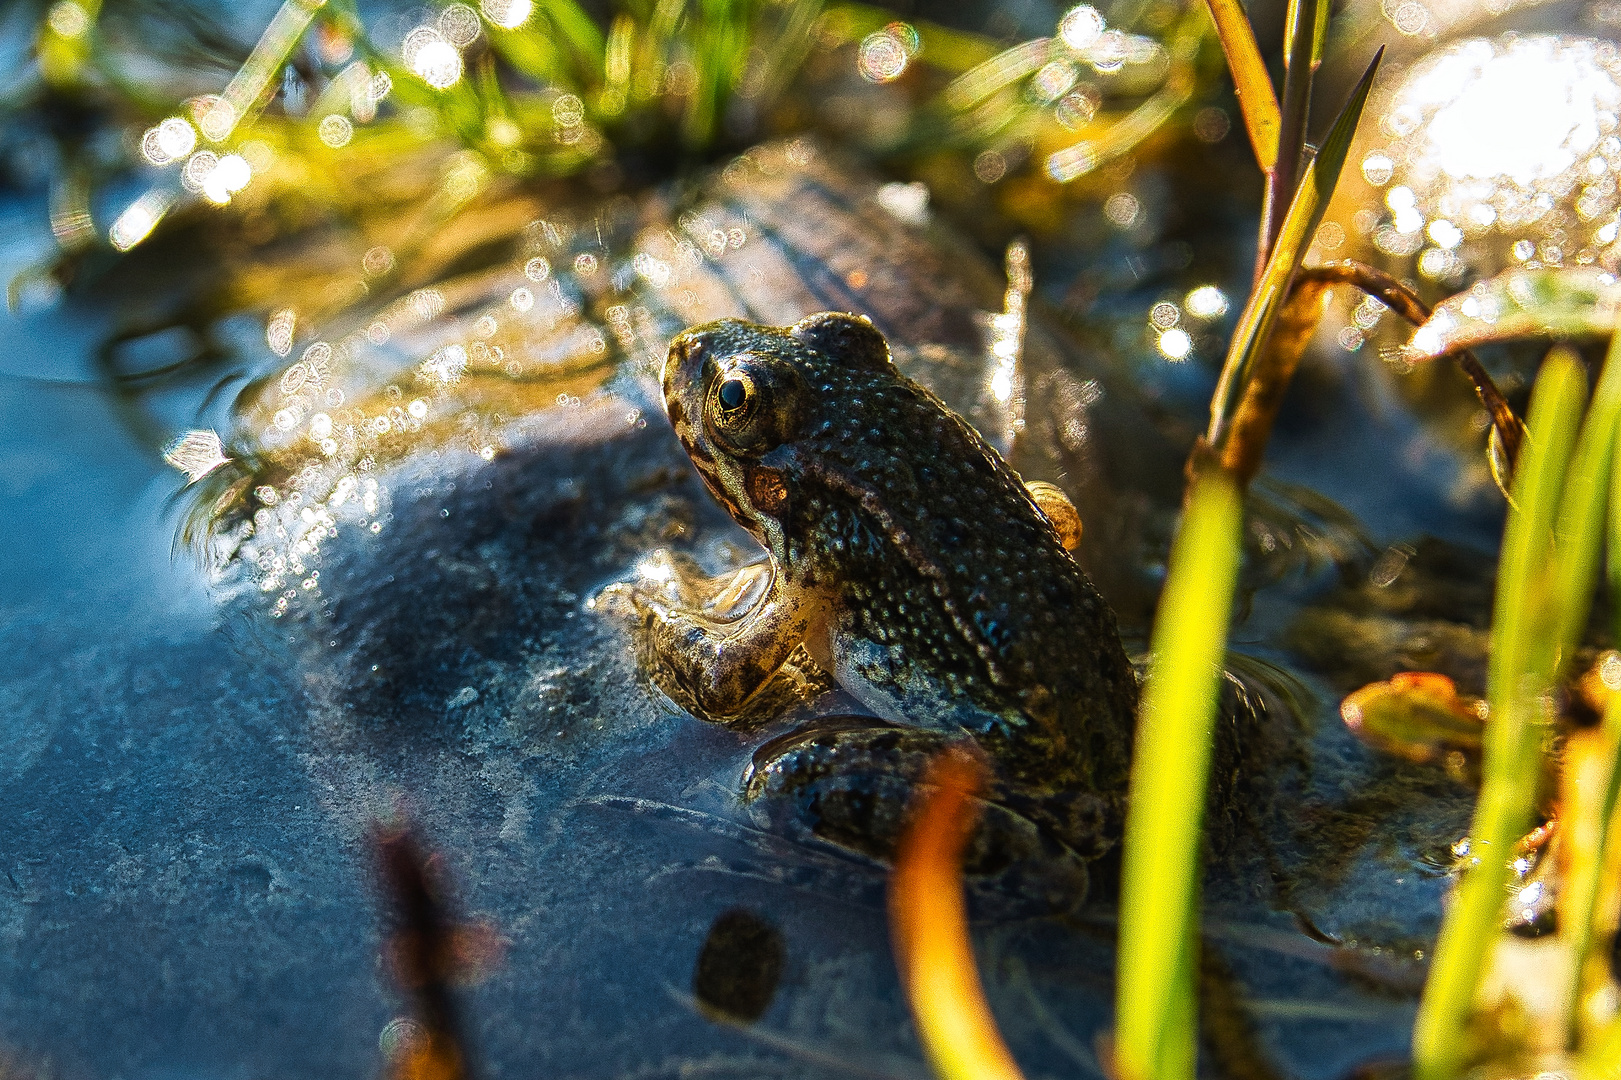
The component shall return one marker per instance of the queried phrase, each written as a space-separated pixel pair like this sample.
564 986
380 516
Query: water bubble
507 14
883 55
229 176
1081 26
1123 209
1206 302
990 166
459 24
433 59
169 141
1175 344
1078 107
335 130
377 261
1377 169
195 172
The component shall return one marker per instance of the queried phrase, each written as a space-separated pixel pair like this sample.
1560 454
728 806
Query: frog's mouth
685 382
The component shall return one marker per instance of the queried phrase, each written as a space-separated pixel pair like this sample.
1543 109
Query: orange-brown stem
1405 302
1243 443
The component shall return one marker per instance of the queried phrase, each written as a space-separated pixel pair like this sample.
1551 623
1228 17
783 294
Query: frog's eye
734 393
754 404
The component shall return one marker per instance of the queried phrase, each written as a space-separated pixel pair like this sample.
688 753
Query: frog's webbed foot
852 785
668 582
725 648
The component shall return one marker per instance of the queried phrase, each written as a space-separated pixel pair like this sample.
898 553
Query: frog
914 567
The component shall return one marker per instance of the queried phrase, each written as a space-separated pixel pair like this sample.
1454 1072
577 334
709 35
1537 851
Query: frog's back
956 594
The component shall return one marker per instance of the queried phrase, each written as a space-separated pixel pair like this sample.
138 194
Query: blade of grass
1603 1060
1317 183
1523 658
1155 1022
1593 477
246 90
582 34
1299 33
929 923
1590 786
1582 508
1256 100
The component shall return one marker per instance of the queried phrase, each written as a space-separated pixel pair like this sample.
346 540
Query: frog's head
741 396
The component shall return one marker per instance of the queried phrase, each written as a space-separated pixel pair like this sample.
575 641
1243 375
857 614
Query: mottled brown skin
913 565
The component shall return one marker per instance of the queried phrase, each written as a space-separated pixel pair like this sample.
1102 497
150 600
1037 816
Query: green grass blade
1311 197
1256 100
1583 883
1319 36
1171 763
1582 508
1337 143
1582 516
1521 674
580 31
1299 26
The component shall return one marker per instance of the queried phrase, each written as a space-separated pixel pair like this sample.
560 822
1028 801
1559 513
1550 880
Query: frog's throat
726 483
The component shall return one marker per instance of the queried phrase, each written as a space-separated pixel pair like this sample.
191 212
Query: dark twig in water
1405 302
420 949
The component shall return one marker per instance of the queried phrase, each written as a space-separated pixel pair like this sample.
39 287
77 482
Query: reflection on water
462 367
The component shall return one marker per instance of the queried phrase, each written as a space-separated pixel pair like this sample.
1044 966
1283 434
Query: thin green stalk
1581 509
1155 1011
1317 184
1253 88
1593 477
1584 878
1300 45
1523 659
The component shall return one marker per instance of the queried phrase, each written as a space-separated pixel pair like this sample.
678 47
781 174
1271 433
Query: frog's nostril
686 352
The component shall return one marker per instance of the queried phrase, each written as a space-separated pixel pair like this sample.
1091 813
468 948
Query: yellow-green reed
1256 101
1317 182
1156 1021
1524 656
1591 491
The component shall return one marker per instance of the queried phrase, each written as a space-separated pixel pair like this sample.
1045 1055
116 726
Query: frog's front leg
715 663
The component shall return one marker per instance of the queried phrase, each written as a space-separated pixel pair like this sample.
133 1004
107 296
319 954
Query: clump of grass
1531 620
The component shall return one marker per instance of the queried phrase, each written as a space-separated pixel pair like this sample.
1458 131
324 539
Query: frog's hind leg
850 782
